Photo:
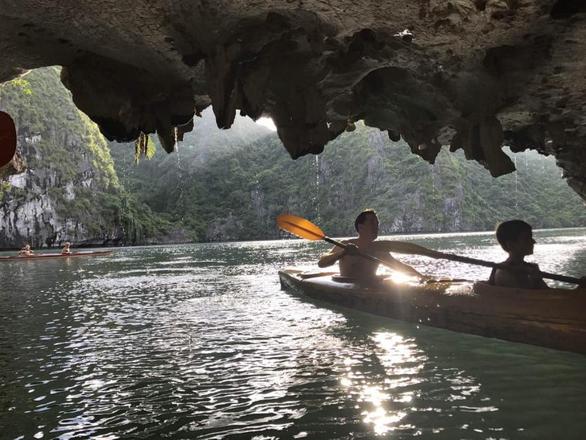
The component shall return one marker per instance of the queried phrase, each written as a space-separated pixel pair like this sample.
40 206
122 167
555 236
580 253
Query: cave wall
471 74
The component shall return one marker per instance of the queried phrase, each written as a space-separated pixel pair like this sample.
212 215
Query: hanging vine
144 147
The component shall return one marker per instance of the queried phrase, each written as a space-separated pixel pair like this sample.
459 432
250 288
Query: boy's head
515 236
366 224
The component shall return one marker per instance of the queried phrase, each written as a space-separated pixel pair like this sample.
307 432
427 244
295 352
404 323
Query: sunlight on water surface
198 341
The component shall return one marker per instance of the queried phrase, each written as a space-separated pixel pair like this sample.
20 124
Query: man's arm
387 246
402 267
336 253
331 257
403 247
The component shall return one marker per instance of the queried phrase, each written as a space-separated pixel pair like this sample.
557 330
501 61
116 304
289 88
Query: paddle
305 229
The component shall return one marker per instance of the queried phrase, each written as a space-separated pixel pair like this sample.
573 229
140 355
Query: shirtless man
66 249
26 251
353 265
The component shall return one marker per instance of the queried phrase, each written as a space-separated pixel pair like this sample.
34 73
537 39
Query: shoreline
282 237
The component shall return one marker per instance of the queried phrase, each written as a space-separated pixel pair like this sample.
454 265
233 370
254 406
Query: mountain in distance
231 184
69 190
219 189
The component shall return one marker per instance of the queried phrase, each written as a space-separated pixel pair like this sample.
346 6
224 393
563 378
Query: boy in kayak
26 251
353 265
66 249
516 238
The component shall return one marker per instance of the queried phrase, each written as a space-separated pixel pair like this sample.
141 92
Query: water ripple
200 342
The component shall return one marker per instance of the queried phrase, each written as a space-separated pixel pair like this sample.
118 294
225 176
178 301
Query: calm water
198 341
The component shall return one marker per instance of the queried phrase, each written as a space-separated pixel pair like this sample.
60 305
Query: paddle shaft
468 260
363 255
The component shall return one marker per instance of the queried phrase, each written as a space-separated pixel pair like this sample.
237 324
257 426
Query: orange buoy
7 139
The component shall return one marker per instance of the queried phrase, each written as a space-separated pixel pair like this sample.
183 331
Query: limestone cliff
472 74
69 191
221 193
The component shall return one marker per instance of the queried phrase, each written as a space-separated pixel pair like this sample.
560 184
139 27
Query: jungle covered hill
70 190
222 189
231 184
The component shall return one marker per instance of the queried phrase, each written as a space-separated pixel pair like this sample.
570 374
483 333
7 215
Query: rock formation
69 190
472 74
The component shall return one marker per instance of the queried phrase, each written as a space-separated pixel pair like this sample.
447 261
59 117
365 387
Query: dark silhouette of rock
470 74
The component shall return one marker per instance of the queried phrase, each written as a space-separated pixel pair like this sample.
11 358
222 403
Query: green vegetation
21 85
4 190
236 193
144 147
230 185
69 162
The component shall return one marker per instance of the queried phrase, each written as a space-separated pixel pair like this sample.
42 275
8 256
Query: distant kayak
72 255
551 318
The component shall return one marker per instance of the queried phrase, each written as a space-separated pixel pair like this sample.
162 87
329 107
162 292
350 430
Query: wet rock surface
472 74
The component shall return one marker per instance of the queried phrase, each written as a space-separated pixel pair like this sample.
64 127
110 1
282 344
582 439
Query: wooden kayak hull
554 318
44 256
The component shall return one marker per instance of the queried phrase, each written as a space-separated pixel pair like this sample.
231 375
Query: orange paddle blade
7 138
300 227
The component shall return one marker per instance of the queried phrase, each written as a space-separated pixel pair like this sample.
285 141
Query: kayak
554 318
41 256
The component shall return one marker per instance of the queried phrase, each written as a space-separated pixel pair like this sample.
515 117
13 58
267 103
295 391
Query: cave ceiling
468 74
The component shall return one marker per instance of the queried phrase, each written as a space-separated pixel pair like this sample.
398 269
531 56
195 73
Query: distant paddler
26 251
66 249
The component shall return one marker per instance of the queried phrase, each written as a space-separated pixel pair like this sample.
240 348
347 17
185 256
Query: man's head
515 236
366 224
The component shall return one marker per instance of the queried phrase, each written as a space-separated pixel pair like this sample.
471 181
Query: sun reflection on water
138 346
384 399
